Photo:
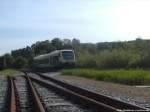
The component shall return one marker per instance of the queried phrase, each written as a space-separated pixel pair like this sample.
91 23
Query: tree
75 42
108 55
57 43
66 44
9 60
24 52
42 47
1 62
20 62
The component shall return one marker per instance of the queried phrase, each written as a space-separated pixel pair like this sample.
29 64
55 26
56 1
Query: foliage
20 62
9 60
9 72
24 52
85 59
42 47
1 62
117 59
102 55
57 43
129 77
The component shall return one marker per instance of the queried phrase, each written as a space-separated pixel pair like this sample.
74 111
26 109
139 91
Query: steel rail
80 99
13 107
37 103
95 96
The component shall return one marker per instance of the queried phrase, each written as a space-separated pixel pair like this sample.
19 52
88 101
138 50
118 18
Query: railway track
23 94
3 94
23 97
55 102
100 102
37 93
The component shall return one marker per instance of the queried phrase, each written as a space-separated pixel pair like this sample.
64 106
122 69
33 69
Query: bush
9 60
114 59
20 62
85 59
130 77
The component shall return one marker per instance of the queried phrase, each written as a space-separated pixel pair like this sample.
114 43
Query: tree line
22 58
102 55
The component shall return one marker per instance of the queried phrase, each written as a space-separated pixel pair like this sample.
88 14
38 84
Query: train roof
51 53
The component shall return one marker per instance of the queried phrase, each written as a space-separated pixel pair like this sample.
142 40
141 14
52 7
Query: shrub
85 59
20 62
119 58
113 59
130 77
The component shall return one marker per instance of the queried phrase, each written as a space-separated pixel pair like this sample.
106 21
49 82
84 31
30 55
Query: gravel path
3 93
135 95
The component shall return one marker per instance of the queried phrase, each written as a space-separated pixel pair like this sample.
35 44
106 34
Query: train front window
68 55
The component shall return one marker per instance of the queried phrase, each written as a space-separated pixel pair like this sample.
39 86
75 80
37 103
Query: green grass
9 72
129 77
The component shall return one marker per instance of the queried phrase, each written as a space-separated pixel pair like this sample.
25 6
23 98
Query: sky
23 22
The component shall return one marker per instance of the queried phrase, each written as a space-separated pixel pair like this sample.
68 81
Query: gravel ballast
135 95
24 101
54 102
3 93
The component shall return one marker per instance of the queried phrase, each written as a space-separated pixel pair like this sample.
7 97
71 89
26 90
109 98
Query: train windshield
68 55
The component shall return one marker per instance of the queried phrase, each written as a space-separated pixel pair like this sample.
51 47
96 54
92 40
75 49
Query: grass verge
129 77
9 72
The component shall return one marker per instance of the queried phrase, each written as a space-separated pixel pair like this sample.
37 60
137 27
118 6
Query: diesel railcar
58 58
